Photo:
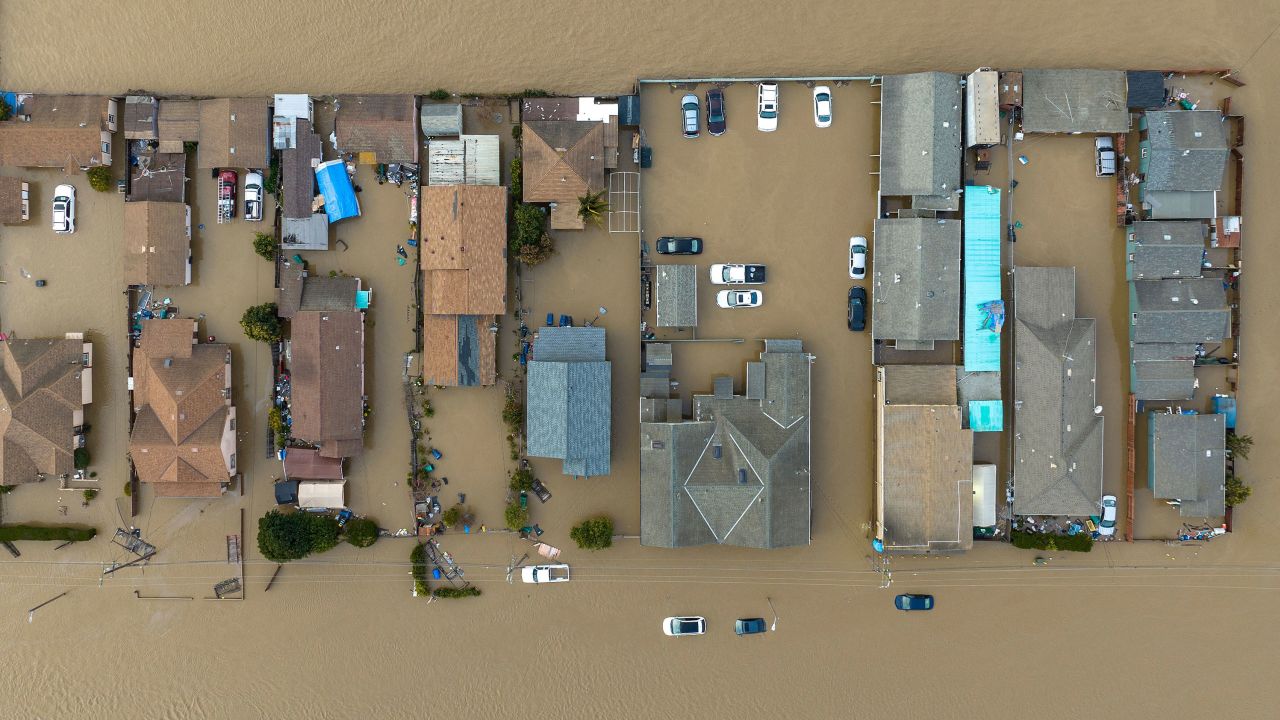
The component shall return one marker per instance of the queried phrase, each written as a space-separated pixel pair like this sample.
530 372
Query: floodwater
1143 629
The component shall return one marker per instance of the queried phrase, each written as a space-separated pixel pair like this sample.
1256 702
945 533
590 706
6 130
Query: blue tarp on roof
340 200
983 307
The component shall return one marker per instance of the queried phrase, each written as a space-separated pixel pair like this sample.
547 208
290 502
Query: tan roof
233 133
446 361
157 243
40 393
69 111
563 160
189 489
385 125
10 200
464 242
309 464
168 338
28 145
179 122
327 368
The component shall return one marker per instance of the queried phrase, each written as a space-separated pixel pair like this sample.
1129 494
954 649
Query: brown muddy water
1143 630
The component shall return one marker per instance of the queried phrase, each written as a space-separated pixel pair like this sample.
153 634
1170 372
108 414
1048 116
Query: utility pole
31 614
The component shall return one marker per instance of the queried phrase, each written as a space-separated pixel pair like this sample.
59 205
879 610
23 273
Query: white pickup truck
539 574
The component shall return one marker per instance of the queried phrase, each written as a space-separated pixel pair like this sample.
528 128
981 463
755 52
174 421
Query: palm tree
592 207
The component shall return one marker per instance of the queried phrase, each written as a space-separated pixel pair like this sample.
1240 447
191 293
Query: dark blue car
910 602
749 626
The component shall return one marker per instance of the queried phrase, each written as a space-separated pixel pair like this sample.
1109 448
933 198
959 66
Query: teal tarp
982 279
986 415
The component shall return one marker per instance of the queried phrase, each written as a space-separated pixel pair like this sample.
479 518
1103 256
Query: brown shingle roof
157 243
70 111
40 394
563 160
139 120
168 338
385 125
309 464
233 133
179 122
299 292
10 200
327 396
27 145
159 176
298 172
464 242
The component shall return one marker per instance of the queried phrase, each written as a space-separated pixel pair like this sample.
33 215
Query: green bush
1239 445
517 179
99 178
521 480
261 323
517 133
517 517
361 532
451 516
10 533
534 93
513 413
265 246
80 458
1237 491
6 111
6 489
453 592
439 94
128 488
593 534
537 253
272 184
323 531
418 559
283 536
89 494
1080 542
529 226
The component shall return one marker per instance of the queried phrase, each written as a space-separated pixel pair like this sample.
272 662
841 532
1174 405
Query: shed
629 110
469 160
982 108
340 200
441 120
676 293
984 495
319 495
15 201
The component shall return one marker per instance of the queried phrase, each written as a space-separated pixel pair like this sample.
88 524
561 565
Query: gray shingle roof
1058 439
1188 462
676 295
1191 310
920 145
568 403
1179 204
1162 371
915 293
1188 150
441 120
1068 101
1146 89
1166 250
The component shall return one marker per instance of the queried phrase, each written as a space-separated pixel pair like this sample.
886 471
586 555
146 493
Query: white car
1107 526
539 574
739 298
253 196
689 111
822 106
767 116
736 274
857 257
64 209
1106 152
677 626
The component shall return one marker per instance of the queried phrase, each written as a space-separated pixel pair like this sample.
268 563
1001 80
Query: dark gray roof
1146 89
1188 150
915 292
1190 310
1166 249
738 472
1188 462
568 405
920 144
1057 466
441 120
298 171
676 295
1069 101
1180 204
1162 371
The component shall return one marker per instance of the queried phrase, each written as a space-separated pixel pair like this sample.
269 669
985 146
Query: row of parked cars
228 181
721 273
696 625
767 109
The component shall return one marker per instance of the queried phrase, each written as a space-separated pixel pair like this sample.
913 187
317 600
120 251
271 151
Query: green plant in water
99 178
516 516
265 246
1237 491
1239 445
592 207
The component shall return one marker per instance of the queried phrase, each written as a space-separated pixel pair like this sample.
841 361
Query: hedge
1081 542
452 592
33 532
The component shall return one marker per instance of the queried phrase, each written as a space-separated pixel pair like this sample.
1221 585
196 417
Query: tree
272 184
529 226
99 178
283 537
592 207
6 111
521 480
80 458
1239 445
517 516
261 323
1237 491
361 532
538 252
264 245
516 185
593 534
451 516
322 530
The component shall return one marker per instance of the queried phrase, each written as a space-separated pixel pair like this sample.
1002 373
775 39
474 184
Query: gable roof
916 279
64 131
297 166
1071 101
1185 310
41 394
385 125
234 132
563 160
11 200
140 118
1188 462
168 338
1162 371
327 373
920 144
178 122
157 238
309 464
300 292
1165 249
464 243
568 410
441 119
1188 150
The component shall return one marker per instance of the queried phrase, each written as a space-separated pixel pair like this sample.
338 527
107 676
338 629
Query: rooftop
140 118
301 292
309 464
676 295
1188 461
1188 150
178 122
42 392
1187 310
13 204
916 280
568 412
563 160
327 373
920 143
158 176
469 160
1075 101
157 238
441 119
298 171
234 132
1162 371
384 126
1166 249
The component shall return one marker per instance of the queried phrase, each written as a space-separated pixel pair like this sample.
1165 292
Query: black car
715 112
679 246
857 309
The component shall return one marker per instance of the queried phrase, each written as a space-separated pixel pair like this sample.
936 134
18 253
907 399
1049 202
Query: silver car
689 106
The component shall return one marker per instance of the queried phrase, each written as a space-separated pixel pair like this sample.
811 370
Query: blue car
909 602
749 626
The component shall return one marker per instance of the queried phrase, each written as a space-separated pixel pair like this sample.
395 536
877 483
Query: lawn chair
566 321
551 319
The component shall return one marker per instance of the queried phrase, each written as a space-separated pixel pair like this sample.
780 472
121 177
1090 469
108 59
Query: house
158 176
567 413
464 281
1075 101
317 481
299 292
675 291
441 120
1157 250
738 471
916 282
563 161
378 128
1186 162
1187 462
1162 371
157 243
178 123
59 131
1057 448
924 461
183 441
469 160
15 201
326 364
1188 310
234 132
44 385
141 118
304 224
920 140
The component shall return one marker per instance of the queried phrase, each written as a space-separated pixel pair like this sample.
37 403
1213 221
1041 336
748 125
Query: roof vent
742 476
168 362
717 451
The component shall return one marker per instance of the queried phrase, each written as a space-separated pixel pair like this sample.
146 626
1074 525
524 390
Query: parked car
739 298
857 309
857 257
767 115
677 626
737 274
227 195
1107 526
822 106
253 196
689 108
539 574
716 123
1106 150
64 209
908 602
679 246
749 626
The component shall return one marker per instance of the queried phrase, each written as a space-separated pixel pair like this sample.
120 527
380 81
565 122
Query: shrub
265 246
9 533
534 93
517 517
1237 491
361 532
513 413
517 133
418 559
1239 445
535 254
128 488
261 323
323 530
189 146
522 480
517 179
428 410
272 184
529 226
438 94
90 494
6 489
1080 542
452 592
451 516
99 178
593 534
592 207
80 458
6 111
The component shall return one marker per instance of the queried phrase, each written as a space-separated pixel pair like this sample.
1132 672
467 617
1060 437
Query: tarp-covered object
321 495
340 200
